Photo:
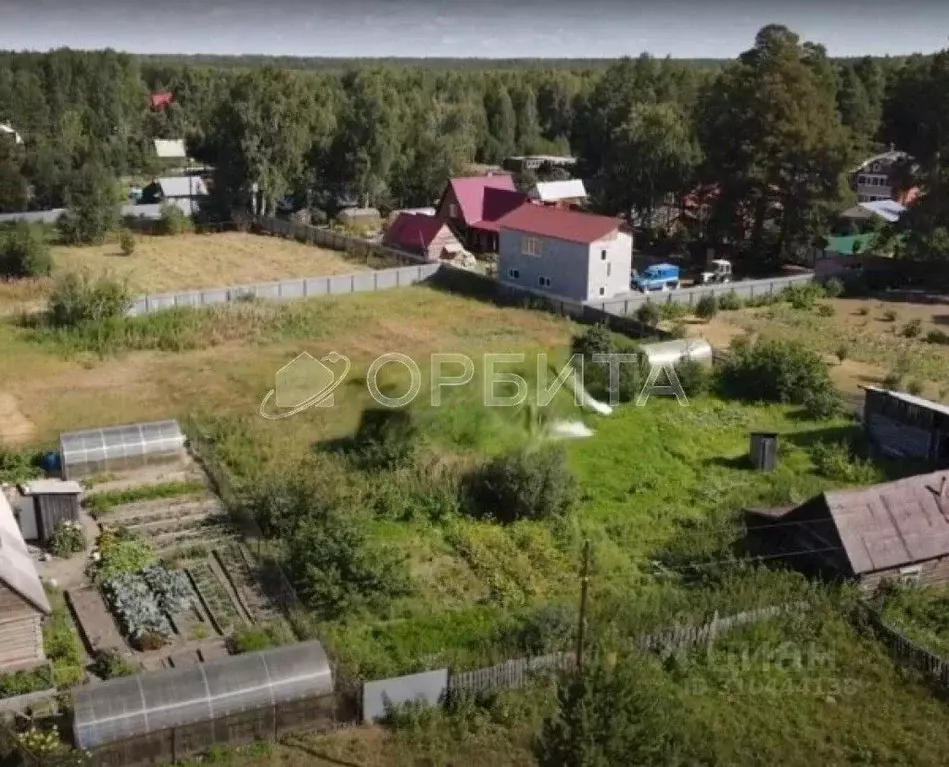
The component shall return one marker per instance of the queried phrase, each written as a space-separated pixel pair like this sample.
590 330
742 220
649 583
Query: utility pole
584 580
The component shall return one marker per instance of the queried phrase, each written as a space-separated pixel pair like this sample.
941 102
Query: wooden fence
904 649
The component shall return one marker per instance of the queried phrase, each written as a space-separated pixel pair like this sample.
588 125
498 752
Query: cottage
896 530
559 194
565 253
902 425
425 235
44 504
23 602
472 207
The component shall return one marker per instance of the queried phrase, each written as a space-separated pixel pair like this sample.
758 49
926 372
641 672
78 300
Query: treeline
770 135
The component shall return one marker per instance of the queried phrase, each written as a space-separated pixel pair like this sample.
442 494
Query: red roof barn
473 205
426 235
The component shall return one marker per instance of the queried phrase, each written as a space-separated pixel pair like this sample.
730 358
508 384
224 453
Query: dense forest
771 133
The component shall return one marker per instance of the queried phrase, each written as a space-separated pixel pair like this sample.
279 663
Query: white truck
721 271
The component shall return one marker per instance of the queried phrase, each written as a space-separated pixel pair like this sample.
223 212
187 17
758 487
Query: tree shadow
849 434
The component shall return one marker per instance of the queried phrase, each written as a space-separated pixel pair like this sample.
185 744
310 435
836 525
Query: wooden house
473 206
23 602
902 425
895 530
424 235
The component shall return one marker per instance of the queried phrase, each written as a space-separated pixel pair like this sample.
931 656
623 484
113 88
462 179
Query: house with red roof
424 235
566 253
472 207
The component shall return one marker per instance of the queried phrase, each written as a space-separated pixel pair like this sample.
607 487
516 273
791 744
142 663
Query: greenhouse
165 715
115 449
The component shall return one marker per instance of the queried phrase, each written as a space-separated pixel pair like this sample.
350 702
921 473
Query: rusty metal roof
893 524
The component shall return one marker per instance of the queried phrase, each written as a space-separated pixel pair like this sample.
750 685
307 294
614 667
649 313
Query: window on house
861 179
514 274
602 255
530 246
544 282
911 575
452 210
609 269
602 291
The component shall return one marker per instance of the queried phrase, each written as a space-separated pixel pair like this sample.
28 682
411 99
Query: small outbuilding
902 425
44 504
23 602
895 530
116 449
559 194
424 235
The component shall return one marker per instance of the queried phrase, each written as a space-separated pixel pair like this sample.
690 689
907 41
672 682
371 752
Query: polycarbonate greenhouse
165 715
115 449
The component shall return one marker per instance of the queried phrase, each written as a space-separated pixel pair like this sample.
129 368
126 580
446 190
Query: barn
425 235
895 530
23 602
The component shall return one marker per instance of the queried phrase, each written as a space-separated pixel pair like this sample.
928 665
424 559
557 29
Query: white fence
288 290
744 289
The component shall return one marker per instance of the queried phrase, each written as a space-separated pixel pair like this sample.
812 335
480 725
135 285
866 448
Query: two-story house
472 206
565 253
872 179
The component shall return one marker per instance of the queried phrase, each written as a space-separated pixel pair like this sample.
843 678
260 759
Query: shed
360 216
902 425
23 602
428 236
166 715
670 352
554 192
45 504
894 530
115 449
174 188
170 148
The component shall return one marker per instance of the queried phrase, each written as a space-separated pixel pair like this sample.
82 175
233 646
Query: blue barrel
52 463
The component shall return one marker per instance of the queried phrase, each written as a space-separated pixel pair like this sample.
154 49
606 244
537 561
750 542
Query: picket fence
904 649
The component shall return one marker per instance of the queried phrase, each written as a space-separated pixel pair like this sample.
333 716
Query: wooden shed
425 235
903 425
45 504
23 602
895 530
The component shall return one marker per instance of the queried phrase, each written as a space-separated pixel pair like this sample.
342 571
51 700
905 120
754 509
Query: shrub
937 337
386 439
19 466
172 220
915 387
595 339
892 381
679 330
545 629
648 314
729 302
672 310
843 352
822 404
775 371
24 252
707 307
913 328
259 638
834 288
127 242
826 310
80 298
110 663
693 375
67 539
836 461
889 315
863 311
523 485
803 296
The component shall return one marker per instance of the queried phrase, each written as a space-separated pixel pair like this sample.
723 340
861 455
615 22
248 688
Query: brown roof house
896 530
427 236
23 602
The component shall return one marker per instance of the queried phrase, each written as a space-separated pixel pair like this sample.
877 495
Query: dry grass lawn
164 264
871 332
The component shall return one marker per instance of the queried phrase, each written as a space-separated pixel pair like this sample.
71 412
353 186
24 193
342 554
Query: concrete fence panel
428 687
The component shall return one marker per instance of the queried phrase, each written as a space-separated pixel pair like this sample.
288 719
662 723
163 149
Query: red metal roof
497 204
470 193
160 100
413 230
569 225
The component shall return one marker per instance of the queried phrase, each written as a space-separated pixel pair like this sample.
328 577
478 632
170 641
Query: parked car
721 272
657 277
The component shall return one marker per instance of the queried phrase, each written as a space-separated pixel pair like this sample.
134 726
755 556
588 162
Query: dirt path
15 428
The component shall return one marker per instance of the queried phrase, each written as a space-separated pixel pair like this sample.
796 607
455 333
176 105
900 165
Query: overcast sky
471 28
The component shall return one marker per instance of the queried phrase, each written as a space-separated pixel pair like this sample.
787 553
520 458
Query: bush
110 663
730 302
545 629
649 314
80 298
843 352
892 381
889 315
836 461
67 539
24 252
826 310
803 296
386 439
916 388
672 310
19 466
523 485
776 371
693 375
261 637
937 337
913 328
707 307
833 288
863 311
172 220
679 330
822 404
92 206
127 242
595 339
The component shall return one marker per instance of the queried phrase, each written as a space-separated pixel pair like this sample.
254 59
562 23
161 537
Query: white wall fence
744 289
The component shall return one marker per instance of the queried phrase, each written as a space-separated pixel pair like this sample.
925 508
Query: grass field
181 262
923 616
872 332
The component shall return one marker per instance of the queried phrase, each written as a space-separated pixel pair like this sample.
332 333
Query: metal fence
148 212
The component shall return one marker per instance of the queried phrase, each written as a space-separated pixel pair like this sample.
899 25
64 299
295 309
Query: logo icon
305 382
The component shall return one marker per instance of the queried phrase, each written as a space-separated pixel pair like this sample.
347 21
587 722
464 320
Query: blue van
656 277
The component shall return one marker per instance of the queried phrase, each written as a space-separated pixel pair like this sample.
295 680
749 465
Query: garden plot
172 525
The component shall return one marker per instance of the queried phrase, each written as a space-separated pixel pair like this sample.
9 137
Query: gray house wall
576 270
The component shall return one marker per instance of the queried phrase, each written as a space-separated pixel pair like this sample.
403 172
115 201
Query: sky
471 28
